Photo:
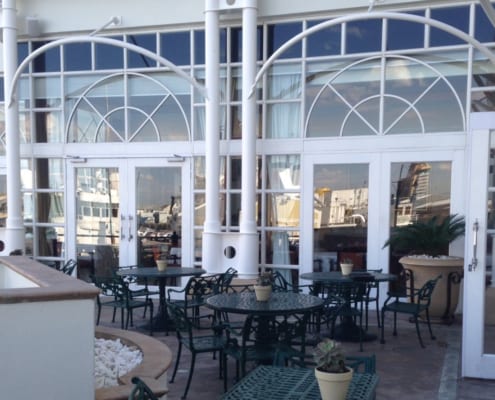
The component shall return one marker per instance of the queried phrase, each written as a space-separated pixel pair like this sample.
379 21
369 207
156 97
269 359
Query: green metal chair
417 303
196 344
141 391
116 294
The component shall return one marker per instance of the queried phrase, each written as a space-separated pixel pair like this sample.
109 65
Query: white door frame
475 362
127 179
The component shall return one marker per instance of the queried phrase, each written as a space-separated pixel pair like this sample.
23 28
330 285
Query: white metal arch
124 75
371 15
102 40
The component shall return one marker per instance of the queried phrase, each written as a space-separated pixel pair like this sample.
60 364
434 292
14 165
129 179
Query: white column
211 234
14 238
248 246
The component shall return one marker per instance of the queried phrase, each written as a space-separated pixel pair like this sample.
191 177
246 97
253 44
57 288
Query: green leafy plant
329 356
431 237
265 279
346 261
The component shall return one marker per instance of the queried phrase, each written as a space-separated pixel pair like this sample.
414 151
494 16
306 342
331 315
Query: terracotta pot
262 292
333 386
442 307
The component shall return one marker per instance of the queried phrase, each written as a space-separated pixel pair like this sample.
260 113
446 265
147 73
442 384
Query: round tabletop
153 272
336 276
279 303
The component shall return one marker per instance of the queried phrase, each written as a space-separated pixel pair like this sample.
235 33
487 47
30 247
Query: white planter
161 265
333 386
346 268
262 292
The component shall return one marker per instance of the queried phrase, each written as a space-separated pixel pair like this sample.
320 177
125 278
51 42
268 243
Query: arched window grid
129 135
353 109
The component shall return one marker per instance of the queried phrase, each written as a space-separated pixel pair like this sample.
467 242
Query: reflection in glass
158 211
340 214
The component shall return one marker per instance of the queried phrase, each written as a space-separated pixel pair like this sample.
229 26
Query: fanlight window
385 96
130 107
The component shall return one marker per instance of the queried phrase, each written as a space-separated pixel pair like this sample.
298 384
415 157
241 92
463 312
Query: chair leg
418 331
113 316
179 351
377 312
98 315
433 337
395 324
151 316
382 339
189 378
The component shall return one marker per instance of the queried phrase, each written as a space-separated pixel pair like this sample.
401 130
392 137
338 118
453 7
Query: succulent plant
329 356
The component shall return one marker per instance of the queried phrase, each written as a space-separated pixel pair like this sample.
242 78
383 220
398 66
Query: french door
478 344
126 212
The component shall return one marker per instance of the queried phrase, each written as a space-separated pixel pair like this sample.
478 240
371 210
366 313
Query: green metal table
268 382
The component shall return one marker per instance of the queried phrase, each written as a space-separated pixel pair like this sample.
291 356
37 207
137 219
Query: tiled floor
406 371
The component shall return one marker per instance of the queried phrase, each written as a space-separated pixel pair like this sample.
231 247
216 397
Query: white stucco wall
45 350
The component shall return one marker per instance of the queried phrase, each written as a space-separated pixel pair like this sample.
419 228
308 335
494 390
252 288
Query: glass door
478 344
127 212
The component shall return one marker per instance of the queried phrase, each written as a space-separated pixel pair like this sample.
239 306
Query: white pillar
248 246
211 234
14 234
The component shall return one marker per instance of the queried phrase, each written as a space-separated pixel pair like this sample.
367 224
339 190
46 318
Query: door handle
474 260
130 236
122 219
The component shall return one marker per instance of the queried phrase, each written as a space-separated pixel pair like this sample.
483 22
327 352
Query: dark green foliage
431 237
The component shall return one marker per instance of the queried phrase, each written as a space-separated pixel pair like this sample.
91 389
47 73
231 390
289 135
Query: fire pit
157 358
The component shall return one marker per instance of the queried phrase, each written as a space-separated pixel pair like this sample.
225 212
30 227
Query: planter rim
437 261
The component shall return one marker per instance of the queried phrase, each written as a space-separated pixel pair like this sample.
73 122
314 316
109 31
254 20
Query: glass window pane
199 173
199 47
48 61
419 190
48 127
235 209
363 36
340 213
22 52
325 42
280 33
176 47
77 56
282 249
283 172
108 56
50 207
484 31
284 82
236 44
47 92
457 17
283 209
283 120
235 172
136 60
49 173
405 34
199 209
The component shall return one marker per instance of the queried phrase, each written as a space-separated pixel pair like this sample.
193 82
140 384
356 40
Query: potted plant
333 376
426 245
263 287
346 266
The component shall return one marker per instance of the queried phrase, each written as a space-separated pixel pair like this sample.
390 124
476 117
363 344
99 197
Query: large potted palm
426 245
